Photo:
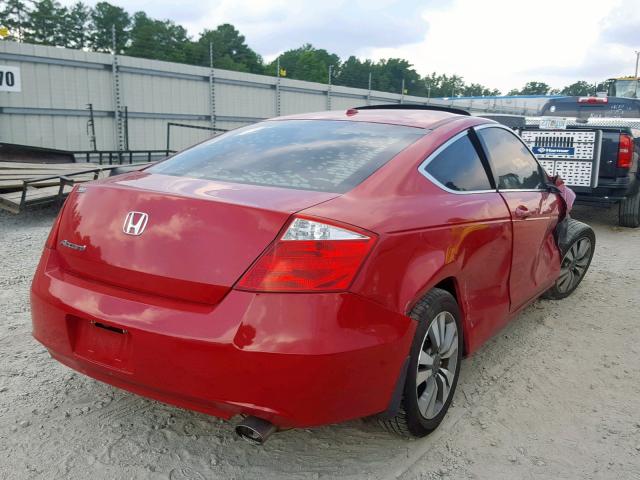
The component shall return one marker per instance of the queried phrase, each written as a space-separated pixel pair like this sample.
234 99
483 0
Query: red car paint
162 314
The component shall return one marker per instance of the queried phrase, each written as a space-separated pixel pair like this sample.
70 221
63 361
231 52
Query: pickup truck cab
594 146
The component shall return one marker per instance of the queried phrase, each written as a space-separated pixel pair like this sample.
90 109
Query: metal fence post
212 88
329 88
91 129
126 127
117 97
369 92
278 87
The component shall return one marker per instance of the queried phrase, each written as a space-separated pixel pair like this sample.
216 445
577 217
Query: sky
498 43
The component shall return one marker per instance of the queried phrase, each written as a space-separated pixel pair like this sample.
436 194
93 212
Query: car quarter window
458 167
513 166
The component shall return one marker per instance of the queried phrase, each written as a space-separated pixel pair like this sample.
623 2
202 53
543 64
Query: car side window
458 167
513 166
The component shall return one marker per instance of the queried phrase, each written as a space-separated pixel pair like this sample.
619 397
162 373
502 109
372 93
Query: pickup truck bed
599 162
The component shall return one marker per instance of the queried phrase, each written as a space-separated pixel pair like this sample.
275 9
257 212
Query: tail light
625 151
310 257
593 100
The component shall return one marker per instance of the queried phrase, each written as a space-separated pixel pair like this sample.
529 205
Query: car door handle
523 212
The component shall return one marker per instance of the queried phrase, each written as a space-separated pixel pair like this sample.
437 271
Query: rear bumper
608 191
294 359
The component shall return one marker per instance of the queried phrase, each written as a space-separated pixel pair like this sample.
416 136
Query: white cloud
621 25
340 26
507 43
499 43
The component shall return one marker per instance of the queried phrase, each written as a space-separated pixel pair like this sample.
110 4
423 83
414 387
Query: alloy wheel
574 265
437 364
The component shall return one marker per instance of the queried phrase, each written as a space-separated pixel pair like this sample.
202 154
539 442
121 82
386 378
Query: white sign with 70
10 79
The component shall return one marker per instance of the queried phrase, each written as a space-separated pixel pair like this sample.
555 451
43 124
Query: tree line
109 28
576 89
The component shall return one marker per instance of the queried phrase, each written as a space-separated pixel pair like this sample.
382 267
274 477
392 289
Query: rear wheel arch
405 416
451 285
574 262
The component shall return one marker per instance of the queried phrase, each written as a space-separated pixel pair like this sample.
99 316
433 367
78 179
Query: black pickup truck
593 143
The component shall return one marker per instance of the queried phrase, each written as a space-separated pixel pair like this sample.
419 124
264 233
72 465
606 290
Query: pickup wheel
629 211
577 253
434 366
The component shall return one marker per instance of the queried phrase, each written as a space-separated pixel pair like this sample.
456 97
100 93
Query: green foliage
157 39
578 89
532 88
307 63
603 86
230 50
44 23
104 18
354 73
14 16
388 75
74 27
477 90
444 85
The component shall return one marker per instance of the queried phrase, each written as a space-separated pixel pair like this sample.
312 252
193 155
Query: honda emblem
135 223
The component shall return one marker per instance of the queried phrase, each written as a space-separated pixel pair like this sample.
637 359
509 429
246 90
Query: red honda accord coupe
308 269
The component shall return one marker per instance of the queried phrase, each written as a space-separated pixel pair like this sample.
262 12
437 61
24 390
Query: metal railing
122 157
115 157
186 125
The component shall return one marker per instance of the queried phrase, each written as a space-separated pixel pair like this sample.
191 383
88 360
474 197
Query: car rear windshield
322 155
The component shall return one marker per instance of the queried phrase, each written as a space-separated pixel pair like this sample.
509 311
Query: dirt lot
555 395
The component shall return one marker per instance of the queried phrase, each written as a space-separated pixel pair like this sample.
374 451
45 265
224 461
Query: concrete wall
57 84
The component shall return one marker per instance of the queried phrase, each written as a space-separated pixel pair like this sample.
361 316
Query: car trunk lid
199 238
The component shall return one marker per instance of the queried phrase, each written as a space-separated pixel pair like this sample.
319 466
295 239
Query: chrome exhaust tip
255 430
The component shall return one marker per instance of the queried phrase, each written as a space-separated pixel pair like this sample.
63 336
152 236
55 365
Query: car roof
427 119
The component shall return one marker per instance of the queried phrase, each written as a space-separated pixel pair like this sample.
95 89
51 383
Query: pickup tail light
311 256
593 100
625 151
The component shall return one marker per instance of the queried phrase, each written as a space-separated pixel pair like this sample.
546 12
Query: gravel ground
555 395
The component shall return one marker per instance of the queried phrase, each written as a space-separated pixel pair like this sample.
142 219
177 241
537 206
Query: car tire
629 211
416 418
576 254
